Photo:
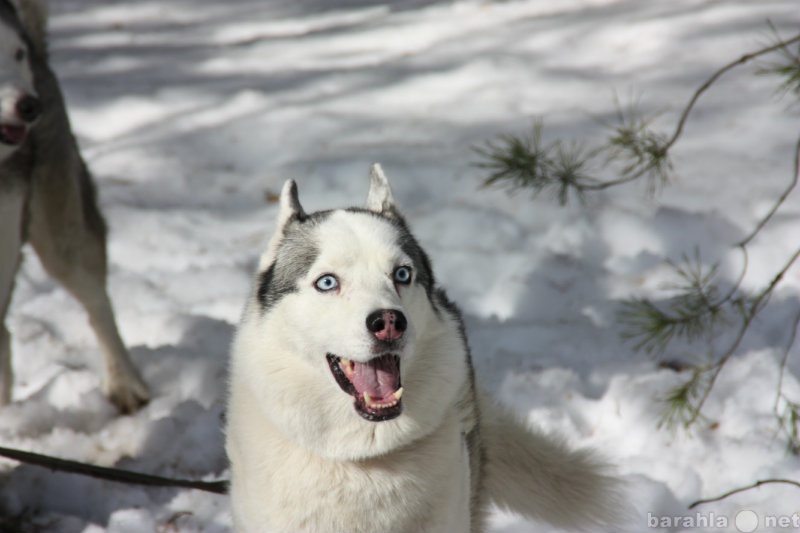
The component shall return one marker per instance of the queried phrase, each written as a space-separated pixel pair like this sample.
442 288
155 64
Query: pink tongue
14 134
379 377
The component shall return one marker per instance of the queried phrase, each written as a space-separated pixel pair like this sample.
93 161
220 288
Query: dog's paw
128 395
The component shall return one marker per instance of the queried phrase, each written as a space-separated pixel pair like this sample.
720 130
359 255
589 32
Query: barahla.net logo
745 521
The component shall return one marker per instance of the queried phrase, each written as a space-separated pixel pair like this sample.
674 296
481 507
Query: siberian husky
47 198
353 404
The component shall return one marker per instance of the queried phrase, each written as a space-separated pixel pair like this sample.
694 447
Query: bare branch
743 489
781 199
785 360
780 45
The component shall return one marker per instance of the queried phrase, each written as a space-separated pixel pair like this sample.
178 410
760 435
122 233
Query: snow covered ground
192 113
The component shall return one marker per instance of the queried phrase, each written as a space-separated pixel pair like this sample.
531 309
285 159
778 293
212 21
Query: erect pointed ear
290 204
289 208
379 198
32 15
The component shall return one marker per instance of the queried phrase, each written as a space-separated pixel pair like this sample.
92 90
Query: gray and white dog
47 198
353 404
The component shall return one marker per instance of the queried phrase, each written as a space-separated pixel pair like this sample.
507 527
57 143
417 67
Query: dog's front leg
11 208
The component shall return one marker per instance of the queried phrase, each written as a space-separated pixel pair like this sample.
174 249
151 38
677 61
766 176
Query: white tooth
367 398
398 393
347 366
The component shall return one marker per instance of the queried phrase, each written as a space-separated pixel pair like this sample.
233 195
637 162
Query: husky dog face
346 328
19 105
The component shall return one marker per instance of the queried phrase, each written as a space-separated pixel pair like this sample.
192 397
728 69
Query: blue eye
402 275
326 283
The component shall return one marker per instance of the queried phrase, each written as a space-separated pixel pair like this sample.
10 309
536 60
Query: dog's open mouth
375 385
13 134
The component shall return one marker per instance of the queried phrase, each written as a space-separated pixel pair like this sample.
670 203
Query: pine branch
750 314
693 306
680 401
568 171
525 162
699 307
516 162
789 68
692 313
641 151
519 162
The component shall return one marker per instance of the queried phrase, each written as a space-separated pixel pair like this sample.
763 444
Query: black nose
387 324
28 108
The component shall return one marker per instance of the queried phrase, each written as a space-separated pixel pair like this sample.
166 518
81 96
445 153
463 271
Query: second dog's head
19 104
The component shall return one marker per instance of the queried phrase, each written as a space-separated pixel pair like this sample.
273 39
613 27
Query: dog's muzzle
14 131
375 385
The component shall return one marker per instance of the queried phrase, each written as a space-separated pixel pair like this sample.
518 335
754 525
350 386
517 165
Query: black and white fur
47 198
345 302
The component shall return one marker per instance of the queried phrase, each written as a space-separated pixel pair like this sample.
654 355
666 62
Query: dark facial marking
296 253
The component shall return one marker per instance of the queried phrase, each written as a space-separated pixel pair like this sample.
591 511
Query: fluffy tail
33 16
539 477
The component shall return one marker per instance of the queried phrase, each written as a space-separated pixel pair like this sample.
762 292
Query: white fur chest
422 487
